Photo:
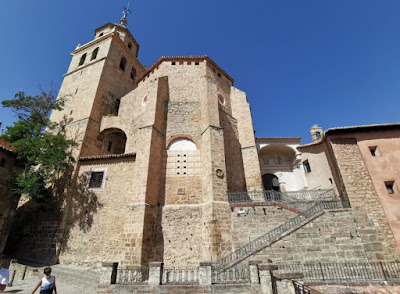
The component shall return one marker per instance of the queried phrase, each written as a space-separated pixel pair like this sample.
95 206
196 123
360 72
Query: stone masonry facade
160 149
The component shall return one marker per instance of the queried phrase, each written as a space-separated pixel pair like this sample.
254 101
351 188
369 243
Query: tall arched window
183 158
94 53
122 64
221 99
82 61
133 73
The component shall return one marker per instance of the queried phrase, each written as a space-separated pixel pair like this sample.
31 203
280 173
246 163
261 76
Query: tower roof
123 22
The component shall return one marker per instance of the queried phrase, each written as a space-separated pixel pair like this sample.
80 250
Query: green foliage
41 146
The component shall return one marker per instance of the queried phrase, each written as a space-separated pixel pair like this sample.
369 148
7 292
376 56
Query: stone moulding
107 156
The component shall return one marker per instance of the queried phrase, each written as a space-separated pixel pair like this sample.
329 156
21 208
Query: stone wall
184 289
94 231
183 235
233 156
34 234
241 112
383 169
7 168
372 224
322 169
332 237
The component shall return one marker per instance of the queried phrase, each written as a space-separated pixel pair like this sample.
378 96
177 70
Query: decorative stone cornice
183 58
107 156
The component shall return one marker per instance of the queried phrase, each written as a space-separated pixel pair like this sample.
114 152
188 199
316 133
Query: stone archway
113 141
270 182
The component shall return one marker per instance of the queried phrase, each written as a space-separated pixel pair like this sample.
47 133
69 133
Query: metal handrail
347 271
257 244
289 196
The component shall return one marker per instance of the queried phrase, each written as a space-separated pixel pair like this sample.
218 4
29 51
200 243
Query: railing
132 275
291 196
301 288
237 274
180 276
259 243
366 271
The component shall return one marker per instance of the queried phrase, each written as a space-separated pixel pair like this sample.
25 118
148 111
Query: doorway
271 182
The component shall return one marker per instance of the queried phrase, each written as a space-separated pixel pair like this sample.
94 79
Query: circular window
221 99
144 100
101 34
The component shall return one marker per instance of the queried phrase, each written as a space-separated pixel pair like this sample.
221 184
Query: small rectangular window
173 62
96 180
307 167
219 74
116 106
390 187
196 63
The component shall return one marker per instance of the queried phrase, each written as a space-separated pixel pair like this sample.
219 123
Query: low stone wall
34 234
332 237
184 289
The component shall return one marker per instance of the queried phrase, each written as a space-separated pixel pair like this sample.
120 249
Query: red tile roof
6 145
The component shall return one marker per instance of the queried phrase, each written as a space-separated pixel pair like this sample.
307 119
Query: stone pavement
69 279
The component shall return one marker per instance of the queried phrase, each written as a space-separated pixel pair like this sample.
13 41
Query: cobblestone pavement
69 279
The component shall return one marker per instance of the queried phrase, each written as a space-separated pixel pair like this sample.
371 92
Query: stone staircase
69 278
277 233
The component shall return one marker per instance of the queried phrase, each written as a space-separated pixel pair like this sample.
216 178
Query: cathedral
168 169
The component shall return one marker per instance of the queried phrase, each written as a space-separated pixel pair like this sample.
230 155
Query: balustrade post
108 277
205 273
284 281
155 273
266 277
253 269
108 273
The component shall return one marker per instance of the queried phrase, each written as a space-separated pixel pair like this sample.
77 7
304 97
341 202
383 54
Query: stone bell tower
100 73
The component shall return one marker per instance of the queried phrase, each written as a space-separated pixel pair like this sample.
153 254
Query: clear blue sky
335 63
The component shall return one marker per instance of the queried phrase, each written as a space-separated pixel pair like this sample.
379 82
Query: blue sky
335 63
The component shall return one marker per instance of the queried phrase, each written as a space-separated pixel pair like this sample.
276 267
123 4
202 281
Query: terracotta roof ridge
169 58
278 137
6 145
107 156
363 126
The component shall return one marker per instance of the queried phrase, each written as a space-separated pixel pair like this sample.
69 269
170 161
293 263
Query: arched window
182 144
318 135
133 73
82 61
181 152
94 53
130 45
221 99
122 64
113 141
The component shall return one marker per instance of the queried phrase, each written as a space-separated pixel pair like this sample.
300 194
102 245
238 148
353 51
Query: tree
42 150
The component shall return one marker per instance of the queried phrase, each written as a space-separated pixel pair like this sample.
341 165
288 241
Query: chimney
316 133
